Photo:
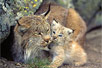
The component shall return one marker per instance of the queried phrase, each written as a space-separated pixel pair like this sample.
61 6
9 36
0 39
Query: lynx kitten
63 49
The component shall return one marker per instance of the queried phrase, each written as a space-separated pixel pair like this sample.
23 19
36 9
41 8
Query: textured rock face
9 64
87 8
96 21
11 10
91 11
4 25
6 21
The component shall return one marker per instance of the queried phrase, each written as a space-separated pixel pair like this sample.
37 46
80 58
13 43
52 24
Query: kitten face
60 33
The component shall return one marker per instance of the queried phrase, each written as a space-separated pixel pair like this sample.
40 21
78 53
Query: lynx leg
82 61
58 57
78 54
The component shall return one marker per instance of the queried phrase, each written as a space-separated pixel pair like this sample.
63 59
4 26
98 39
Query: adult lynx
31 35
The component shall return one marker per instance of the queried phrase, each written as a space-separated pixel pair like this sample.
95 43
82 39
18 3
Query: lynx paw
50 66
78 63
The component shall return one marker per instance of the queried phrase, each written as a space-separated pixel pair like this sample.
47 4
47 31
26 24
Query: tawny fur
75 22
31 35
66 17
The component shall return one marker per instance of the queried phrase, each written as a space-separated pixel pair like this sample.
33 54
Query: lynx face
34 25
60 33
32 35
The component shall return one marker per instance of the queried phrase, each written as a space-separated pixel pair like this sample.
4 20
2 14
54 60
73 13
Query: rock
1 10
6 21
10 64
9 12
96 22
87 8
4 27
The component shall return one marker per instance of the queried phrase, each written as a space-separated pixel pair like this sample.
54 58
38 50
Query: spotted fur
31 36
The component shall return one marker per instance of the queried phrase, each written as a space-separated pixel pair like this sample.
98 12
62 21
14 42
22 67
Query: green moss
38 63
27 7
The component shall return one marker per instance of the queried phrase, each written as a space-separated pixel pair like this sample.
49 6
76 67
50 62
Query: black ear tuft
48 10
17 22
73 31
46 15
55 20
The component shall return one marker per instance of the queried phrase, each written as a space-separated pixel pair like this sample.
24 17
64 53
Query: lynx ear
18 22
43 14
47 13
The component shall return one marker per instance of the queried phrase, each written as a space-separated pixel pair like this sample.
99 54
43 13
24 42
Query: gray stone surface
9 12
6 21
4 27
89 9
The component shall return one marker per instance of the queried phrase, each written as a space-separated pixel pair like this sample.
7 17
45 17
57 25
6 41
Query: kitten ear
69 31
54 22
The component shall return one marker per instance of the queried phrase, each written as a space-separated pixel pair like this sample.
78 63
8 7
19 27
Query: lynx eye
60 35
23 29
47 29
54 32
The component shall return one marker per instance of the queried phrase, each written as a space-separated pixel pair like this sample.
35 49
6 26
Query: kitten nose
54 37
47 38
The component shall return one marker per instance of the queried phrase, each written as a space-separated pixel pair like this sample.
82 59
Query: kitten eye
69 33
54 32
40 33
60 35
53 24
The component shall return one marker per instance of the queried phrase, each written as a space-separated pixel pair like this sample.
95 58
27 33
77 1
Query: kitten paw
78 63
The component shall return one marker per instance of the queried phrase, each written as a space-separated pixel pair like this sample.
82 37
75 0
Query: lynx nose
47 38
